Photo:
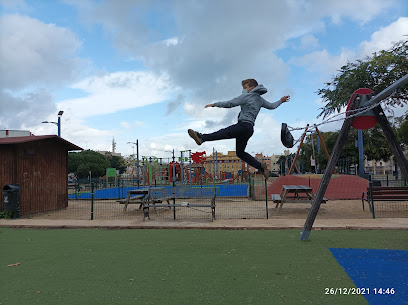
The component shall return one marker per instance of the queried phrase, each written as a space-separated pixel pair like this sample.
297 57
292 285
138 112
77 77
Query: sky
143 70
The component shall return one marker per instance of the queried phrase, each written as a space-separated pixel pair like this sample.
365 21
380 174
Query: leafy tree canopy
81 163
376 73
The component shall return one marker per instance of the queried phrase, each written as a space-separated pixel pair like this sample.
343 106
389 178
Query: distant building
271 162
105 152
380 167
230 163
14 133
220 163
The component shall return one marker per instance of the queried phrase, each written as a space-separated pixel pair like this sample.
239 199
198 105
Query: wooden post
341 140
297 154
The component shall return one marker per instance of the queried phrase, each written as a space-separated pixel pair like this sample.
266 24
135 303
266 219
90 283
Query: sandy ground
230 214
225 209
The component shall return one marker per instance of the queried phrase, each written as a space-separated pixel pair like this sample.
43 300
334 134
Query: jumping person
251 102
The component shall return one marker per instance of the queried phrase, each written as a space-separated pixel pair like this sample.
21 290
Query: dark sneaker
196 136
265 170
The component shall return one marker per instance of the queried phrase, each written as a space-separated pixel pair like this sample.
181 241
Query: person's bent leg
229 132
244 156
241 144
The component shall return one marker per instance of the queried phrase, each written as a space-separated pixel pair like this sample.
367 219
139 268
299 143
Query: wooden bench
196 192
384 193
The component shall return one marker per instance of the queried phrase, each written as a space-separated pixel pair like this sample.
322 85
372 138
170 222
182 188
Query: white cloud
361 11
117 91
209 59
22 112
200 60
384 38
34 53
309 42
130 125
324 62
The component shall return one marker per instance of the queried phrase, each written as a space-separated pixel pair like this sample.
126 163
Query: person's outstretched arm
227 104
271 106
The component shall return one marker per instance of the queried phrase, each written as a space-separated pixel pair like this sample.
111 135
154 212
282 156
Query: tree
83 162
376 145
376 72
402 130
281 161
119 163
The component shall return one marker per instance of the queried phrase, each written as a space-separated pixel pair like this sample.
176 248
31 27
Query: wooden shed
39 165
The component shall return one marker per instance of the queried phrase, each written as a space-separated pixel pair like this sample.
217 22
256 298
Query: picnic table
144 196
294 194
134 197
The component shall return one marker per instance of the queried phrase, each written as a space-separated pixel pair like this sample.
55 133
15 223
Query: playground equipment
300 145
188 169
359 106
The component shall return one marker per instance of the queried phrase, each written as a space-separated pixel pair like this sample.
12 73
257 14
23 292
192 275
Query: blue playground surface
382 275
239 190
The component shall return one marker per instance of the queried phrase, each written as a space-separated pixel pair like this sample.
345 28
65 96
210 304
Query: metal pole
143 170
137 164
189 174
216 164
360 153
150 171
266 198
59 126
314 155
174 187
389 90
341 140
161 172
182 167
92 201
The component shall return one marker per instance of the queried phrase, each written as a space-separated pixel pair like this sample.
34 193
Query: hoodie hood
260 89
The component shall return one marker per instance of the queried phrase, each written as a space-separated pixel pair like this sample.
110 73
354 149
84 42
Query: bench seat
383 193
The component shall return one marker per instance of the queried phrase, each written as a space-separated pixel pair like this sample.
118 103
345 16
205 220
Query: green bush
5 214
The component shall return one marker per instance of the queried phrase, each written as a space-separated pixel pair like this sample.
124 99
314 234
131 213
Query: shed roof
19 140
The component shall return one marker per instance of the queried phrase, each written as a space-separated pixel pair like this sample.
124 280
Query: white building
5 133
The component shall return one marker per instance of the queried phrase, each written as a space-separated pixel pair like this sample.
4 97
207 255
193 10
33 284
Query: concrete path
228 224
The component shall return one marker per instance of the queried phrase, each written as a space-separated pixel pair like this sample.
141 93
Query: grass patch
99 266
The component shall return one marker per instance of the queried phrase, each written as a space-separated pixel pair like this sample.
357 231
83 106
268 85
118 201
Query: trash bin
376 182
11 197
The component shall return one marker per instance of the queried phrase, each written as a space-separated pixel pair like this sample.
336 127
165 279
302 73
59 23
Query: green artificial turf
99 266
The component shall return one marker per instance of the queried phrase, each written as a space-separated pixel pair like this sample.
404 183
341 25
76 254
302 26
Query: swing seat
286 136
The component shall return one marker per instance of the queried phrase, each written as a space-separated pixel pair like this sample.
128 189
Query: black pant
241 131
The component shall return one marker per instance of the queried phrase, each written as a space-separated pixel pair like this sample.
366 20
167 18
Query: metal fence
389 209
387 180
233 201
248 200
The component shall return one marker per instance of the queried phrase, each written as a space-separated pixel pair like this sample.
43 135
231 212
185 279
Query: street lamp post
57 123
137 158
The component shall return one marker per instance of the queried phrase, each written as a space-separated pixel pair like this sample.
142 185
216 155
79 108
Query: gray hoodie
250 103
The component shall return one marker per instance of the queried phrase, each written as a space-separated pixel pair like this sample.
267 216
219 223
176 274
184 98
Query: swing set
364 111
